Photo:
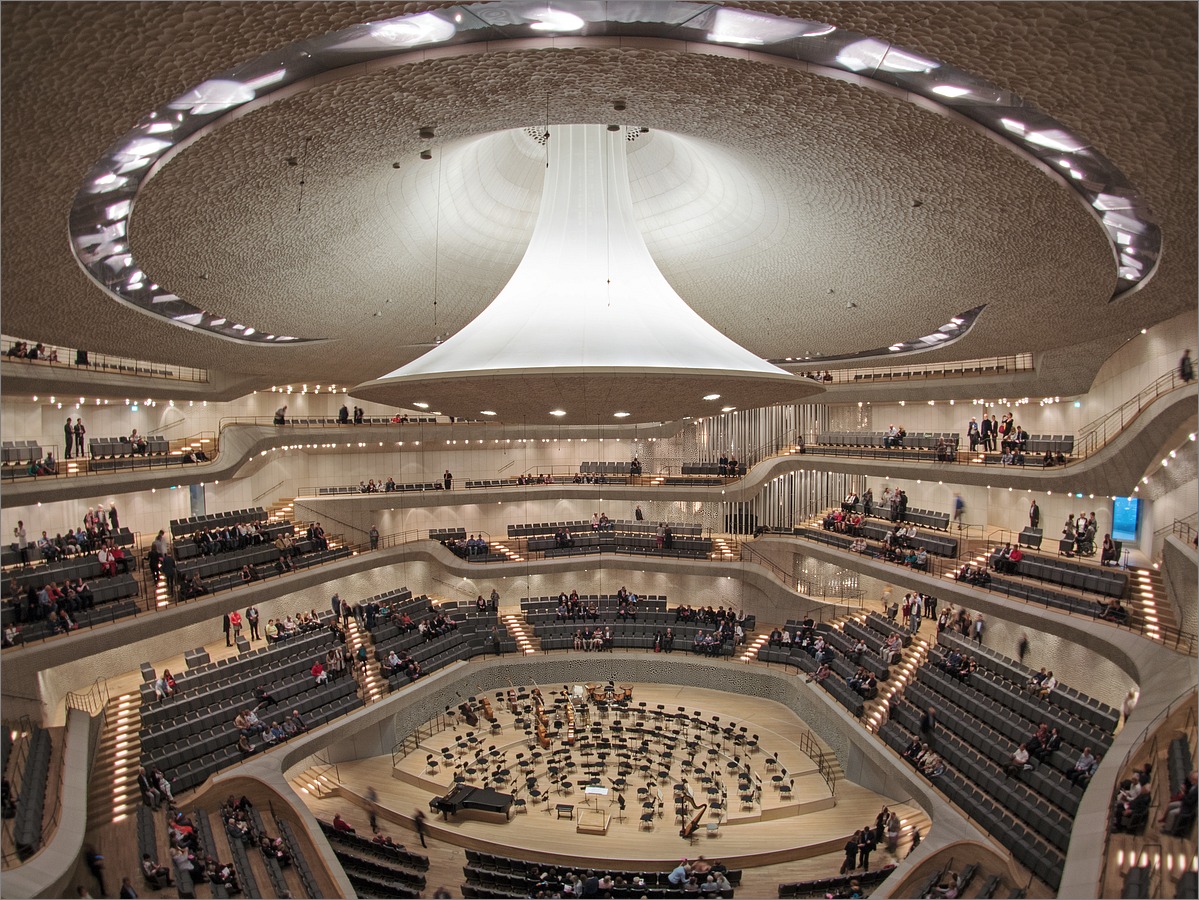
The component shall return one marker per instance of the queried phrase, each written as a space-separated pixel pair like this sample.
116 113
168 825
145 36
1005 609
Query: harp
692 823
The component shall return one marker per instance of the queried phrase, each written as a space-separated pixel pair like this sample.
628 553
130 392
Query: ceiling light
423 28
951 91
711 396
874 54
421 405
557 20
557 412
625 415
727 408
487 412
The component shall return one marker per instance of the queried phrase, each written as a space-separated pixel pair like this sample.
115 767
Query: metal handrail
68 357
946 567
1094 435
987 366
92 701
803 586
79 467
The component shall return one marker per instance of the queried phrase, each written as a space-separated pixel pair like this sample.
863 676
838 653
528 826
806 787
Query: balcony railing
56 357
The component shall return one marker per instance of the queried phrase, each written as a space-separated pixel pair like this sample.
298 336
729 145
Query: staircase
114 794
1149 602
317 781
282 509
372 685
725 548
521 632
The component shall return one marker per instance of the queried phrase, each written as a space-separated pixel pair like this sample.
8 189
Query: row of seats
109 448
989 738
307 559
11 557
189 549
1099 714
1179 763
319 705
844 643
928 518
627 636
926 440
1026 845
27 827
602 601
367 420
139 462
834 683
192 524
200 687
711 469
579 526
696 551
220 563
610 540
20 451
1045 597
395 856
505 865
110 605
341 490
835 885
1076 575
936 544
299 861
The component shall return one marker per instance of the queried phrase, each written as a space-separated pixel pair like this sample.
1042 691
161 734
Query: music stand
620 806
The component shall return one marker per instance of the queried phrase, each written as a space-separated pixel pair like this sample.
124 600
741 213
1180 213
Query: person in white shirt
1047 685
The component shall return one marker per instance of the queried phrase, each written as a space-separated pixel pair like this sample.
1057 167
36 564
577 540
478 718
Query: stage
767 800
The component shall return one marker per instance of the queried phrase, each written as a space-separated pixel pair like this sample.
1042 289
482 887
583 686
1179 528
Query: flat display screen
1126 518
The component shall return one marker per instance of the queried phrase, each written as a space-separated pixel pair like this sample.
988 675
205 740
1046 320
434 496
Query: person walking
1022 648
113 520
979 625
1186 368
374 536
419 821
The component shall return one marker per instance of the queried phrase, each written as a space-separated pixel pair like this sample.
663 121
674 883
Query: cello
469 714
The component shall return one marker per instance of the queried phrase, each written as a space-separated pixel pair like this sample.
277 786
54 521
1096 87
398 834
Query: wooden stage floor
771 828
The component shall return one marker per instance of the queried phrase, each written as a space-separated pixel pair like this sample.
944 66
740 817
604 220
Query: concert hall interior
449 449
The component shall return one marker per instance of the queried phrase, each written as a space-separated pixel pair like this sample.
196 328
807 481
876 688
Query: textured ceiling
765 189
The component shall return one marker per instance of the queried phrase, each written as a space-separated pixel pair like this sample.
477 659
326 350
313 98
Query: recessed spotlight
621 415
421 405
557 412
727 408
487 412
711 396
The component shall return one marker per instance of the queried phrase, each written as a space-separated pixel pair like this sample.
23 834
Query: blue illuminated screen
1126 517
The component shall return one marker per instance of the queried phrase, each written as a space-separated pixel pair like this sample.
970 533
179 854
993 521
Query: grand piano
470 802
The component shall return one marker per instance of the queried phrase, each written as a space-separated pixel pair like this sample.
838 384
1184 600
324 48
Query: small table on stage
565 810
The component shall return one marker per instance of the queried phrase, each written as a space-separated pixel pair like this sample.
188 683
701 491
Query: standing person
112 517
235 622
22 541
419 821
281 415
637 514
127 892
374 536
372 798
1022 648
979 625
168 571
985 432
80 431
865 845
928 724
95 864
959 507
447 479
1034 515
851 853
495 600
335 602
227 626
1186 369
69 436
252 619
